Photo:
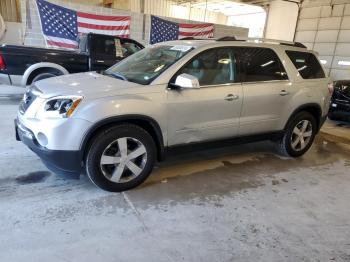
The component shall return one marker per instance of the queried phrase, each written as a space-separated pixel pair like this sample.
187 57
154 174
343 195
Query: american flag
164 30
61 26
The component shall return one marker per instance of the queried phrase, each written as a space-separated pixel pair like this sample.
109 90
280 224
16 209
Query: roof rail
188 38
261 40
298 44
227 38
193 38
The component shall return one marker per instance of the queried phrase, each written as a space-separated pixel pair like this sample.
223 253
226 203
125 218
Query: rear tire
120 158
299 135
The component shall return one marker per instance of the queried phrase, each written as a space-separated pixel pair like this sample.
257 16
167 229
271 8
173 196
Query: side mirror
186 81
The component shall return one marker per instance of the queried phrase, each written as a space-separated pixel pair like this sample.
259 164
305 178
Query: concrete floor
243 203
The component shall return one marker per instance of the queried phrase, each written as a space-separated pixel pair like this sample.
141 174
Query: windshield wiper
120 76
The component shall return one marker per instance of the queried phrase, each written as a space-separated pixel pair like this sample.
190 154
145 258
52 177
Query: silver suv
116 125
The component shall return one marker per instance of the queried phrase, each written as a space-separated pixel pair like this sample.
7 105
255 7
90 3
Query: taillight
330 88
2 63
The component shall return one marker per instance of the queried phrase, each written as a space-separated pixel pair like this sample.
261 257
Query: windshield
147 64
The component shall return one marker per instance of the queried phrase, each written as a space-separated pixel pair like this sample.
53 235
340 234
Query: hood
89 85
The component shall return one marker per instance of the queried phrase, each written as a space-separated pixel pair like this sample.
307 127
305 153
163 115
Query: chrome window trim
209 86
220 85
268 81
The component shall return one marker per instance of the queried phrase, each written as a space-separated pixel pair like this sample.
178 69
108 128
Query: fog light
42 139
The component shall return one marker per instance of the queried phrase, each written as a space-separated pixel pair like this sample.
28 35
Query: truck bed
19 58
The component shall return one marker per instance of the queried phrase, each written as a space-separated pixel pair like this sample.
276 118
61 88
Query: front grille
29 97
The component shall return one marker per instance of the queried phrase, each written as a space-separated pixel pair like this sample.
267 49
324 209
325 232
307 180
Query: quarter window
261 64
307 64
212 67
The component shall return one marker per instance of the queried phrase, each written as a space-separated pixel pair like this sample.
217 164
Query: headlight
59 107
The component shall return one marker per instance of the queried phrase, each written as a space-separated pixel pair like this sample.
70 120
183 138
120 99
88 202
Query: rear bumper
58 161
5 79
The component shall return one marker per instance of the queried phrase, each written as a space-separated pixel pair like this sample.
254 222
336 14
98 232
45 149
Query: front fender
148 106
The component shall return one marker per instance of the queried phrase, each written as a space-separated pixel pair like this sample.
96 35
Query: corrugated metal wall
324 26
158 7
169 8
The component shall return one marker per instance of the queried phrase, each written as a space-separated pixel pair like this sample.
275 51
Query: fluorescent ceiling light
344 63
302 68
268 63
225 61
323 62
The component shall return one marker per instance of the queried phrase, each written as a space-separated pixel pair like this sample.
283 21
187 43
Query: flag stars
61 23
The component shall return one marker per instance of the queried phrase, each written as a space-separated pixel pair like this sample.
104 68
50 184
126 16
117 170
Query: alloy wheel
123 160
301 135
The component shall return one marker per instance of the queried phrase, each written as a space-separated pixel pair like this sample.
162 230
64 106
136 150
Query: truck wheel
42 76
299 135
120 158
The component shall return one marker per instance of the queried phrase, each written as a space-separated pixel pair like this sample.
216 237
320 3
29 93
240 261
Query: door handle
284 93
231 97
100 61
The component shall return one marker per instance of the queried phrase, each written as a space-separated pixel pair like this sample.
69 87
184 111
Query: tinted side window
213 67
307 64
261 64
104 46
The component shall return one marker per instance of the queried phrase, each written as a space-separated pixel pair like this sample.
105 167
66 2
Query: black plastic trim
302 108
197 146
121 119
58 161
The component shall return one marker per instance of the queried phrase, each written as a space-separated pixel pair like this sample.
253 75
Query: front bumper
58 161
340 115
339 110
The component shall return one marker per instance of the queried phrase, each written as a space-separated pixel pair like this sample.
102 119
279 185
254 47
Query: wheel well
150 127
313 109
42 70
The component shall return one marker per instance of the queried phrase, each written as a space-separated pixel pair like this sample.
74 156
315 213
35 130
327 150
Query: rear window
307 64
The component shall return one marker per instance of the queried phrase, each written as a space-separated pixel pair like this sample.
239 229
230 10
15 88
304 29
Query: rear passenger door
212 111
266 90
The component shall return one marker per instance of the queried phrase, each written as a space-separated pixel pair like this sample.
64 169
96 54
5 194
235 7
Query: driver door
212 111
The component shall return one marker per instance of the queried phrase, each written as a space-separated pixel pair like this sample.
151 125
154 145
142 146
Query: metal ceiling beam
252 2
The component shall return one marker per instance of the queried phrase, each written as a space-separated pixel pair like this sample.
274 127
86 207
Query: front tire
299 135
120 158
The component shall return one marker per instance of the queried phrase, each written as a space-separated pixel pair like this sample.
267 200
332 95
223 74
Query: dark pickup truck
23 65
